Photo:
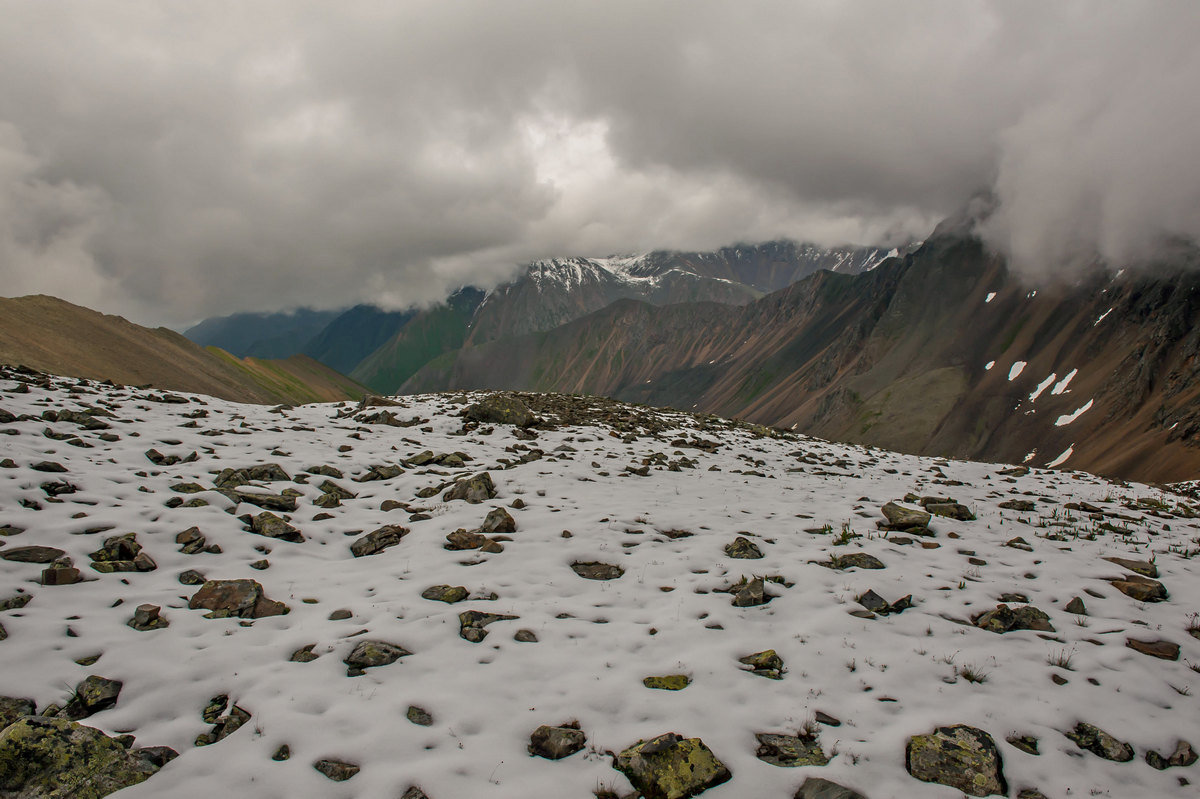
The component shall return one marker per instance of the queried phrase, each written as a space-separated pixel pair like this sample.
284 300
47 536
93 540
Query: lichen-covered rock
472 624
368 654
1184 755
593 570
445 593
500 409
1100 743
951 510
1019 505
789 751
555 743
32 554
269 525
744 548
375 542
1005 619
190 541
817 788
13 708
1142 567
473 490
1143 589
336 770
750 593
91 696
962 757
419 716
855 560
671 767
56 757
765 664
901 518
242 598
668 682
498 520
147 617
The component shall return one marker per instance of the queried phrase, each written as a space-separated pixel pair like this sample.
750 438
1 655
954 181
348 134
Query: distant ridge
56 336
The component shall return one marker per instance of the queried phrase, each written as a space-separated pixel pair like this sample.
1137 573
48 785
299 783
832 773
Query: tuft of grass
1061 659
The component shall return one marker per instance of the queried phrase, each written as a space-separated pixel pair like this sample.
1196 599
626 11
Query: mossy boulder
375 542
789 751
446 593
368 654
473 490
57 757
742 547
671 767
765 664
668 682
961 757
817 788
13 708
1100 743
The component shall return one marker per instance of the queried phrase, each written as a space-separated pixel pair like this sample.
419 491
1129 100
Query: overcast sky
176 160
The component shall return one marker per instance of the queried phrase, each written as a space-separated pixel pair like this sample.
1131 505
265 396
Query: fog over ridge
174 161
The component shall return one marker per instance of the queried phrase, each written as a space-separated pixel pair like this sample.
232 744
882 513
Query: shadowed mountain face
261 335
939 352
55 336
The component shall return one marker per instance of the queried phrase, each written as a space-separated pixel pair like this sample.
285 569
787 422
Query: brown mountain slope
897 358
52 335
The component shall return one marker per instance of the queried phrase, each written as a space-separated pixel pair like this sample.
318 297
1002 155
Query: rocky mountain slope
50 334
941 352
262 335
466 596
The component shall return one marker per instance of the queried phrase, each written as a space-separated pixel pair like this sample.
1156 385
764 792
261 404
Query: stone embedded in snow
1164 650
498 521
1183 755
382 472
414 792
500 409
32 554
375 542
146 617
122 553
191 541
902 518
13 708
951 510
446 593
744 548
789 751
369 654
242 598
1077 607
284 503
854 560
1143 589
1100 743
593 570
57 757
765 664
271 526
419 716
473 490
671 767
818 788
61 575
336 770
750 593
465 539
962 757
668 682
555 743
472 623
223 726
1142 567
304 654
1006 620
91 696
1020 505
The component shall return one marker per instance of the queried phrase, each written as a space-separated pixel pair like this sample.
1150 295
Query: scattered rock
500 409
271 526
1142 567
750 593
555 743
1098 742
147 617
61 575
13 708
284 752
951 510
789 751
1143 589
962 757
744 548
1019 505
473 490
419 716
817 788
32 554
1184 755
1005 619
900 517
223 726
1026 743
57 757
472 624
191 577
336 770
446 593
525 636
671 767
498 521
594 570
765 664
242 598
122 553
853 560
668 682
1077 607
91 696
191 541
304 654
368 654
375 542
1162 649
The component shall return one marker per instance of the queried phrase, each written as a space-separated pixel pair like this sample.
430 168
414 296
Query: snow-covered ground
800 500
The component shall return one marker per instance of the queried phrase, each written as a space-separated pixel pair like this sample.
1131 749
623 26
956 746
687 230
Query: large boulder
375 542
269 525
242 598
91 696
474 490
500 409
56 757
671 767
817 788
900 517
789 751
555 743
368 654
962 757
13 708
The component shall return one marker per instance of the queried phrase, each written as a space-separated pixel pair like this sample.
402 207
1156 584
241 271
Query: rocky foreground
468 595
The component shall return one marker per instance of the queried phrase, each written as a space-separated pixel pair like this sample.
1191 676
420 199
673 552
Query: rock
147 617
336 770
13 708
1019 543
743 548
414 792
242 598
594 570
500 409
671 767
817 788
472 624
765 664
1077 607
859 560
524 636
384 472
56 757
284 752
498 521
668 682
789 751
223 726
304 654
369 654
1098 742
463 539
191 541
156 756
267 473
91 696
330 488
1026 743
1183 755
32 554
121 553
271 526
1005 619
962 757
191 577
872 602
1142 567
1016 471
446 593
951 510
473 490
49 467
61 575
902 518
1164 650
375 542
419 716
750 594
284 503
1143 589
341 614
1019 505
555 743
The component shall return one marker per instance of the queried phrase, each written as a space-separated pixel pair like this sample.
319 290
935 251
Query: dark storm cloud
178 160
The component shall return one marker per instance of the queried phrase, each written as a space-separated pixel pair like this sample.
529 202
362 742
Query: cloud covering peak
173 161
